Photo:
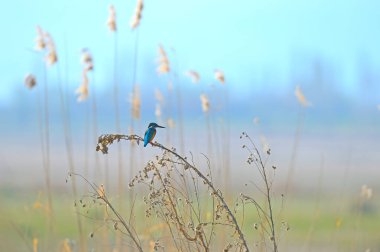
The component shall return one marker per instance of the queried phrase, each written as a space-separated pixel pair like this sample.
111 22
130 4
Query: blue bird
150 133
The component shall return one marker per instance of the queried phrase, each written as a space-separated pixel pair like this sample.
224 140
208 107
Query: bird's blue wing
149 135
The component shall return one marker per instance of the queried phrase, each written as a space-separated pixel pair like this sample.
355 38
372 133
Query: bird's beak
160 126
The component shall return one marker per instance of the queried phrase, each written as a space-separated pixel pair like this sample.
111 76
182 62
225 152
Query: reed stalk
47 168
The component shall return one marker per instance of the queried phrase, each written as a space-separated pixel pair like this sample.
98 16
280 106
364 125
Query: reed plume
137 15
194 76
136 103
40 39
44 42
163 61
88 65
301 97
219 76
51 56
111 21
82 90
171 123
205 103
159 96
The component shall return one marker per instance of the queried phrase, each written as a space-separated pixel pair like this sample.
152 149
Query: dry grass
192 213
171 180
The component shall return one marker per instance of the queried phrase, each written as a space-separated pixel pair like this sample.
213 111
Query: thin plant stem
179 105
102 196
95 125
132 160
69 152
289 180
118 129
47 150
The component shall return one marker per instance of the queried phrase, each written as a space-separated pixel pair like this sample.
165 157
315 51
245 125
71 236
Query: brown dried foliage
174 186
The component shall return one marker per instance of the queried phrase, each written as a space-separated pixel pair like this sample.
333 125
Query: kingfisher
150 133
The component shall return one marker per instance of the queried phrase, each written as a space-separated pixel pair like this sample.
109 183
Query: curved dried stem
105 140
101 195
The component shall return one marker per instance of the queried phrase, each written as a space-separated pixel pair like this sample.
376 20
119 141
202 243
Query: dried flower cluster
163 61
301 97
205 103
44 41
136 18
98 198
264 211
219 75
30 81
111 21
174 189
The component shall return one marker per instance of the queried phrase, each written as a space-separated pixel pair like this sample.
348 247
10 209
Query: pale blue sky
252 41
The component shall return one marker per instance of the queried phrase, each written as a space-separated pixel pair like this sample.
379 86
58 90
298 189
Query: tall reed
41 45
304 102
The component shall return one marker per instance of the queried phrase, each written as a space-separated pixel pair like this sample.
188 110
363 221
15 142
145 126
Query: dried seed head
228 248
157 112
158 95
301 98
40 39
171 123
205 103
111 21
51 57
195 77
101 191
30 81
136 102
219 75
163 61
136 18
82 90
87 60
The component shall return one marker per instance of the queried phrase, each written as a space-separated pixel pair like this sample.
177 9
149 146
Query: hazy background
265 48
330 49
